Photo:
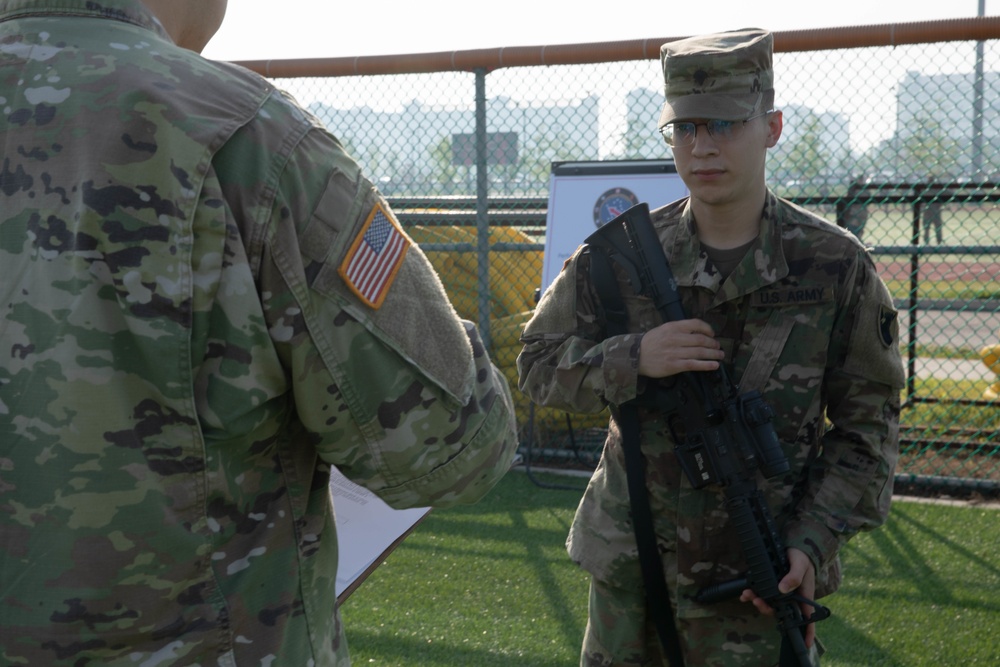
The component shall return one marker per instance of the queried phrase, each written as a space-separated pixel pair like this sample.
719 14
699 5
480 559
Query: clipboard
368 530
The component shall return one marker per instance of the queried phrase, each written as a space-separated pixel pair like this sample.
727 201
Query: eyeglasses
683 134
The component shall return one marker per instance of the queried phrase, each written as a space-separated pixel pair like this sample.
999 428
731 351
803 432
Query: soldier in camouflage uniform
205 306
793 307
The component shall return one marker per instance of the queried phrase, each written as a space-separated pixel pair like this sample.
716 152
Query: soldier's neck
731 224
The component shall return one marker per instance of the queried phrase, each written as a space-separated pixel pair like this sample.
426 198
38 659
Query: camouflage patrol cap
725 76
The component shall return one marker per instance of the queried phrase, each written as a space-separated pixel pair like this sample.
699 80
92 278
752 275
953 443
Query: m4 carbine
733 439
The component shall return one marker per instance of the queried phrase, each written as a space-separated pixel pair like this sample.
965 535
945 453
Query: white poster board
585 195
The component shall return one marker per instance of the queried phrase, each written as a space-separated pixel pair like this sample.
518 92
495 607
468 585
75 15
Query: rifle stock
734 439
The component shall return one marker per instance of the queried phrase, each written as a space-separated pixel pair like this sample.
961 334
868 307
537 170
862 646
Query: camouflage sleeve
390 385
566 362
850 484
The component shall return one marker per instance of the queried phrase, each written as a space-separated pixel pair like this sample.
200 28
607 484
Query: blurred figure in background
933 224
856 209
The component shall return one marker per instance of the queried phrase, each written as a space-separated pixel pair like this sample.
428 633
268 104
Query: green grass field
490 584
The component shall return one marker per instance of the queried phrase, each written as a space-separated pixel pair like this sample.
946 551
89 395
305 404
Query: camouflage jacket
806 302
189 344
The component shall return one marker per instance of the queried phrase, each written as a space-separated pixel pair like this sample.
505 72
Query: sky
266 29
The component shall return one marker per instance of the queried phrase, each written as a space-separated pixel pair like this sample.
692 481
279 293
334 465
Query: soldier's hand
801 578
676 347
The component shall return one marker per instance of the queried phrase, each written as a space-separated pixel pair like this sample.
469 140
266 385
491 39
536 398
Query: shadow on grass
923 590
837 634
958 550
935 568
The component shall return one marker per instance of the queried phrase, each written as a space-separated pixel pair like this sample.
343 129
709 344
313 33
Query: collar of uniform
764 264
690 267
127 11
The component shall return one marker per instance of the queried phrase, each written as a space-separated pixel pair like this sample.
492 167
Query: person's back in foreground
205 306
792 307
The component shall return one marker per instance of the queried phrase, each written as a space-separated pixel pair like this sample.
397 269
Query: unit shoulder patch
886 318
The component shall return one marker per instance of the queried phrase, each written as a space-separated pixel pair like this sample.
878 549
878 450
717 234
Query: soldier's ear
775 122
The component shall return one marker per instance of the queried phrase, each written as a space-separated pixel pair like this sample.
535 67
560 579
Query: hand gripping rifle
733 440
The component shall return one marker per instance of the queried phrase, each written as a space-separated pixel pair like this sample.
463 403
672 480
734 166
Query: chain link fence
900 144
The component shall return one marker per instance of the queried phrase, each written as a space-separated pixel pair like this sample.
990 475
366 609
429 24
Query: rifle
734 439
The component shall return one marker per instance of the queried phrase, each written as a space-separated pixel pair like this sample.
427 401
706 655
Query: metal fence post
482 217
977 107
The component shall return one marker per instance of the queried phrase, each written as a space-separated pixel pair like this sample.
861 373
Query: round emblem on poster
613 203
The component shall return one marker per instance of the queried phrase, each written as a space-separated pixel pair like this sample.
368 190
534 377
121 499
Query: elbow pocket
464 476
845 486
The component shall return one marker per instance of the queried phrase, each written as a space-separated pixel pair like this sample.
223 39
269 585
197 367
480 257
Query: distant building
936 111
643 140
947 100
409 149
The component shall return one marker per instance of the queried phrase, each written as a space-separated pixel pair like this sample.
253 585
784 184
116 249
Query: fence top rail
847 37
466 202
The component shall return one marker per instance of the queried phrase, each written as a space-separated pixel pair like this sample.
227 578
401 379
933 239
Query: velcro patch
374 258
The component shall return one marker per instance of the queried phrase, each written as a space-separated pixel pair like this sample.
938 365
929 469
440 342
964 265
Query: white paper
366 527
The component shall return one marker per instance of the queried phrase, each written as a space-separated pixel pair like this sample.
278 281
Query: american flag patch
375 257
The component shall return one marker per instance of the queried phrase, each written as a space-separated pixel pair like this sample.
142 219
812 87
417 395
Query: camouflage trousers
620 634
